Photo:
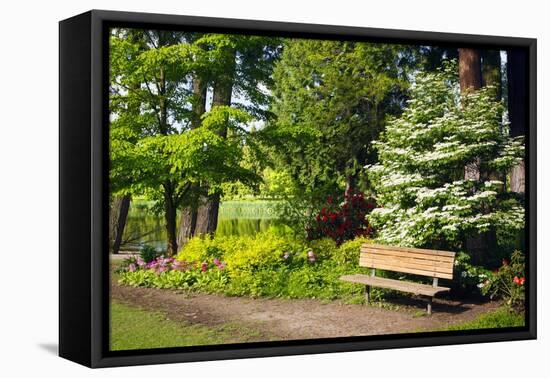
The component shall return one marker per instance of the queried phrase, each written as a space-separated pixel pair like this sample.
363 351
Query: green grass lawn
501 318
135 328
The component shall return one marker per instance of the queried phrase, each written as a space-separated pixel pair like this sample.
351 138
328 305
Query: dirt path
298 318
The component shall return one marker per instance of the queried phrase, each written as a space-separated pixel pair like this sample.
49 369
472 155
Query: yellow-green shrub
197 249
348 252
266 249
262 251
324 248
242 253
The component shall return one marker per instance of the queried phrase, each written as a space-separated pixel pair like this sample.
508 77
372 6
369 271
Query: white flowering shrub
425 200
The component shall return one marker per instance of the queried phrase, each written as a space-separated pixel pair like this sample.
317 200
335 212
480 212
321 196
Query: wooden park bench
422 262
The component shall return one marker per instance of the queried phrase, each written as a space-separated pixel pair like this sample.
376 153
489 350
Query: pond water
235 218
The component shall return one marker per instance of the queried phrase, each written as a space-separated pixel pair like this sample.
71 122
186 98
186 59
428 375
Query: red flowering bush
342 221
508 282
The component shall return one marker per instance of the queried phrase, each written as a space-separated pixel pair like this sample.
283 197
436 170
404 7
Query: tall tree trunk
117 221
490 71
188 217
469 71
491 76
207 219
517 178
207 215
517 109
469 67
170 207
188 224
170 212
200 89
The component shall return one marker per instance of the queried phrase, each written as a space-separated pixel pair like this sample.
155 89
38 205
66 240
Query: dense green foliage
148 253
330 100
420 184
508 282
468 279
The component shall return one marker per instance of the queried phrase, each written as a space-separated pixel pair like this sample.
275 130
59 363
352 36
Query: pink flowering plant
168 272
163 264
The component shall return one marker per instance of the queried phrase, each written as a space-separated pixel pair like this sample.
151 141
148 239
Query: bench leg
367 294
429 309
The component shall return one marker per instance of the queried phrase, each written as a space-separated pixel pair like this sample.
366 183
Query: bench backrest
424 262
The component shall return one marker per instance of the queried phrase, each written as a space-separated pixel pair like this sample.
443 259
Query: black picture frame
83 196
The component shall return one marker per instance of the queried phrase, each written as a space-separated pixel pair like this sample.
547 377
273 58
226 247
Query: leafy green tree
126 115
168 148
330 102
148 72
426 200
238 69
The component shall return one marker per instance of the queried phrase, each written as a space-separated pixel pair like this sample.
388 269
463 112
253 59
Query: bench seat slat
406 263
432 252
411 259
366 248
410 270
425 262
386 283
